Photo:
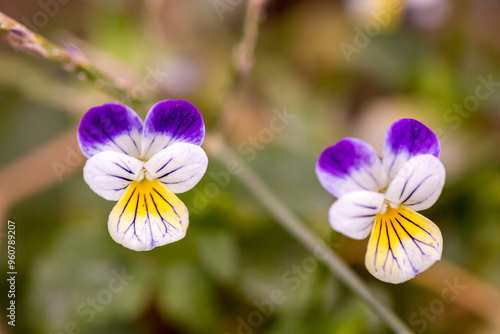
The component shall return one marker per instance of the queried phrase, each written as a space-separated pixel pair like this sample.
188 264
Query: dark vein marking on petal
376 248
420 227
135 217
389 246
172 171
363 216
149 147
187 128
121 188
179 182
149 221
392 164
164 165
124 208
406 183
390 250
128 169
173 136
415 240
111 139
159 214
366 226
416 188
135 144
402 245
366 206
180 219
121 177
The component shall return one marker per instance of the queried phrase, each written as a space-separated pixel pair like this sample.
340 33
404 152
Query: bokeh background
326 65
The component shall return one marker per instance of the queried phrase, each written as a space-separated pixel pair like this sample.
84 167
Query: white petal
353 214
402 245
147 216
109 173
179 167
418 184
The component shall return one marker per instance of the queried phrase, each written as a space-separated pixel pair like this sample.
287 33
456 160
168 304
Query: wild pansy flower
142 166
381 197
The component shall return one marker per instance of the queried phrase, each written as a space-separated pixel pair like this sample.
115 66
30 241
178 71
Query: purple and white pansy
381 196
142 165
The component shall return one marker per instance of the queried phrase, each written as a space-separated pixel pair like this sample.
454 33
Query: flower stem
243 56
289 221
68 57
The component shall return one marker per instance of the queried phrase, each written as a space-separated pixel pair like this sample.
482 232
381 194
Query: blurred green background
426 64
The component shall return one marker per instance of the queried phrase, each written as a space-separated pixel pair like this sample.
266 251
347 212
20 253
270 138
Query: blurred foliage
234 258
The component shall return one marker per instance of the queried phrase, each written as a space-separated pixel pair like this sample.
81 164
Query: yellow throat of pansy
146 213
401 241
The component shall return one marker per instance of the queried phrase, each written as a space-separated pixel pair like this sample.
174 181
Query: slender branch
69 58
245 49
243 55
306 237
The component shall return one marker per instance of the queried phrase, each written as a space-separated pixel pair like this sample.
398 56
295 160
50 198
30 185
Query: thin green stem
305 236
69 58
243 56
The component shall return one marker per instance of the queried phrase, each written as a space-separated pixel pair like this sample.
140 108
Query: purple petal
110 127
350 165
169 122
405 139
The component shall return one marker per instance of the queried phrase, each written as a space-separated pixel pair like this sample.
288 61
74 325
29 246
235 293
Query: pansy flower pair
143 165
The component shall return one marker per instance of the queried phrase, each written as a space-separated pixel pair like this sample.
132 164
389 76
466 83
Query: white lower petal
179 167
109 173
353 214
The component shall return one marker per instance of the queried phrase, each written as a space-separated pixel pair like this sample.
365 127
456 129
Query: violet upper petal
405 139
350 165
169 122
110 127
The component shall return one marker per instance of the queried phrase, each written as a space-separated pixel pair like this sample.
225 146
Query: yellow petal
403 243
148 215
